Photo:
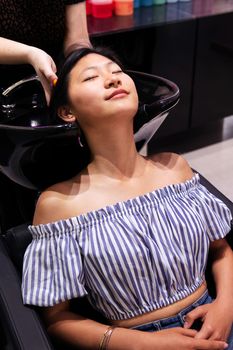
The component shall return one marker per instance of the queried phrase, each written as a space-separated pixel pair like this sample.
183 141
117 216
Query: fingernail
225 345
54 82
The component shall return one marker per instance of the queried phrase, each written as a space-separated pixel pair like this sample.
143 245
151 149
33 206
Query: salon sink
36 152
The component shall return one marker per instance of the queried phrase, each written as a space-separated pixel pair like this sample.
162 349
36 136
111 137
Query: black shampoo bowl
35 153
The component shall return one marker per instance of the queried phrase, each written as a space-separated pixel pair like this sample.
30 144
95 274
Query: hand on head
45 68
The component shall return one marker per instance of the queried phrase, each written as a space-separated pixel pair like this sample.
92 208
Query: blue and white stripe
129 258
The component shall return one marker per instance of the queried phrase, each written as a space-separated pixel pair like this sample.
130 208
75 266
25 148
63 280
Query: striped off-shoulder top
128 258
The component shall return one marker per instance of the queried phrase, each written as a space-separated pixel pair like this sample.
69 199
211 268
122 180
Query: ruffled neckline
156 196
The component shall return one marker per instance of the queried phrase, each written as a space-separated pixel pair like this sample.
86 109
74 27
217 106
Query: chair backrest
20 327
225 200
16 240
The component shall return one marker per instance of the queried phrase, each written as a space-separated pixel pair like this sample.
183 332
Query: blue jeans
178 320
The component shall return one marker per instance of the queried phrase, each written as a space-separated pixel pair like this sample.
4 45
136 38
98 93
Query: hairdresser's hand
45 69
217 320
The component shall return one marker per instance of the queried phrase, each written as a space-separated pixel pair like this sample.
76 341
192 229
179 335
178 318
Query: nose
112 81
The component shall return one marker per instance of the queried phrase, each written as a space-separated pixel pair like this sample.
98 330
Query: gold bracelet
106 338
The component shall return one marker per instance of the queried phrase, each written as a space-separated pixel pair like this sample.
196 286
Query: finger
49 73
54 68
47 84
52 65
199 312
204 333
187 332
47 96
211 344
50 77
47 89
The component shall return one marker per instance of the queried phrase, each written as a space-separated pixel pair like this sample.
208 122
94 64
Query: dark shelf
151 16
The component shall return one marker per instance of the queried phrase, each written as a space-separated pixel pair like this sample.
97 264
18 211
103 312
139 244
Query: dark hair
60 92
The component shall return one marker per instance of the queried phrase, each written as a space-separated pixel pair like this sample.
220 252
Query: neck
114 154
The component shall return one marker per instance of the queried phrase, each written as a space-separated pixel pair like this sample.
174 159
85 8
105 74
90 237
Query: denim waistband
175 320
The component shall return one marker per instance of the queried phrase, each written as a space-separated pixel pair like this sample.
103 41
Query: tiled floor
215 162
209 150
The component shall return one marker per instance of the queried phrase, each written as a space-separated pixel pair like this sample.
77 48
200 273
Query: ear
66 114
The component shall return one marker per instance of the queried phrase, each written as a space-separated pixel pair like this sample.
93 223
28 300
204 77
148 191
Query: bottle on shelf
146 2
159 2
101 8
123 7
136 4
88 7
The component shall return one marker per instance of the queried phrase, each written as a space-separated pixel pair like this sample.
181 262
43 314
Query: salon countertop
144 17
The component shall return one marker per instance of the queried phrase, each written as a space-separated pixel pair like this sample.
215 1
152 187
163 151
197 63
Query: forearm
76 26
12 52
84 333
222 269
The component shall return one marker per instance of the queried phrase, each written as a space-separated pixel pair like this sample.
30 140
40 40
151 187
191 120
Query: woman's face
99 89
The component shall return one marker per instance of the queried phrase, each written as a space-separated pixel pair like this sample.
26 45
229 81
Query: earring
80 142
79 135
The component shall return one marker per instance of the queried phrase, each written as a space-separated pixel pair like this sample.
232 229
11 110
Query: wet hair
60 91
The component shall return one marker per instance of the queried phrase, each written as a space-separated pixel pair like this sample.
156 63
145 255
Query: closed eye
117 71
90 77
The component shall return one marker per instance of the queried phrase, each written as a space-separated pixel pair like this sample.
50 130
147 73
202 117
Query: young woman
131 233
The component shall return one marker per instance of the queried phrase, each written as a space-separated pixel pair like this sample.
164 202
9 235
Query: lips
117 92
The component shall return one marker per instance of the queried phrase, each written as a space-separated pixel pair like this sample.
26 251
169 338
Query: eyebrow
96 67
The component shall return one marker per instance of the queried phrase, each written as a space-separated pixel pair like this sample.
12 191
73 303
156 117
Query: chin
126 108
131 111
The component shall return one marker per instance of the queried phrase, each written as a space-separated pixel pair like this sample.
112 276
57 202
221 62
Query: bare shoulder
173 162
51 202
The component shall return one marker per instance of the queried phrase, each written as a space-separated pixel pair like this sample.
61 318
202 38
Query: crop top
129 258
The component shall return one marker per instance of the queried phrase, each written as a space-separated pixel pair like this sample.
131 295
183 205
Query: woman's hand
184 339
217 321
84 333
168 339
45 69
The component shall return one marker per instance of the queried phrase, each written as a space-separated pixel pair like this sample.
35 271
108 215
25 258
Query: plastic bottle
146 2
123 7
101 8
159 2
88 7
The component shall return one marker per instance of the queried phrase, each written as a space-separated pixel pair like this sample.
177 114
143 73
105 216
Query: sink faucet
13 105
7 91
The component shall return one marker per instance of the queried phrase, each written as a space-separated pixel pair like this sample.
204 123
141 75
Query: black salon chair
31 151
